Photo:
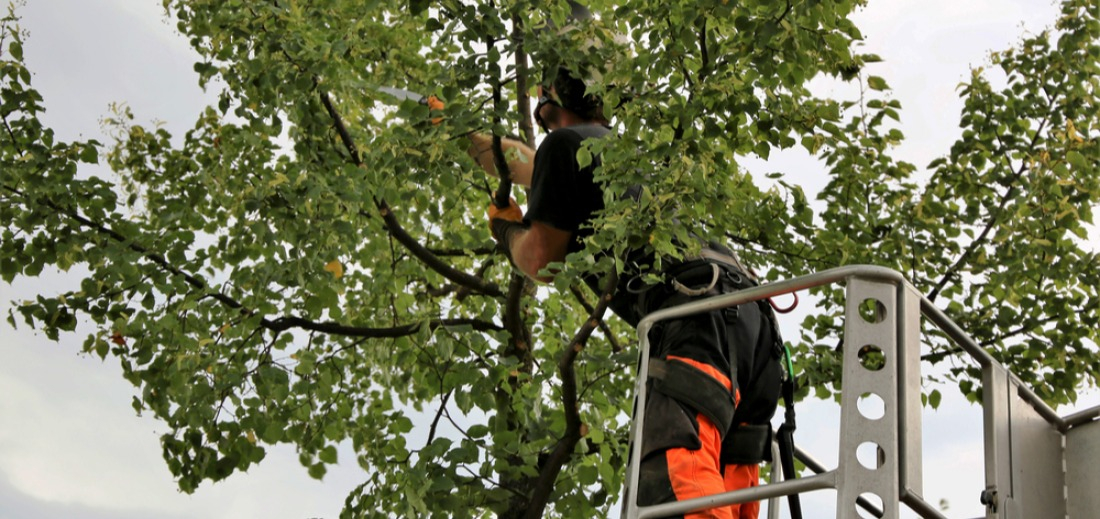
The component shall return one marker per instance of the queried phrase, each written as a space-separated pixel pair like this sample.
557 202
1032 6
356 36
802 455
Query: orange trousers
699 472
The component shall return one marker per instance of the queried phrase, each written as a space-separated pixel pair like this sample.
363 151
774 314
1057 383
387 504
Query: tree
314 292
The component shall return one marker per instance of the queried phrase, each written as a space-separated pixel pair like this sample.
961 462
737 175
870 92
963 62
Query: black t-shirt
564 195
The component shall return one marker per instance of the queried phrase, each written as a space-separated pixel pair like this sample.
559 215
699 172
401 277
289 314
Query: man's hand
503 219
506 223
521 159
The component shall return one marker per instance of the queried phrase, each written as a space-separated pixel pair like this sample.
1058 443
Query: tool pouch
747 444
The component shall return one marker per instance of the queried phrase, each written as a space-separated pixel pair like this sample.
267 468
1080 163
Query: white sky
70 444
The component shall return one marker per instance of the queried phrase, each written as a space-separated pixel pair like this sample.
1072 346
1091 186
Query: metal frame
1019 480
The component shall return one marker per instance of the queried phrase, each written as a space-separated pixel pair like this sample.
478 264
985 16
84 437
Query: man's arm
521 166
538 246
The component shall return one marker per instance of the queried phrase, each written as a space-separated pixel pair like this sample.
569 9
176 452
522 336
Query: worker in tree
715 377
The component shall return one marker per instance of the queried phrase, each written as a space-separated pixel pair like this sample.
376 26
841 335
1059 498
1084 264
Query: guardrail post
869 402
910 450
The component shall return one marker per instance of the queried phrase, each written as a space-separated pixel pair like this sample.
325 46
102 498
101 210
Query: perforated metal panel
869 446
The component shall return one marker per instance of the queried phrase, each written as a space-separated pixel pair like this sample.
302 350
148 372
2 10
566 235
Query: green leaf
584 157
327 455
934 398
1077 160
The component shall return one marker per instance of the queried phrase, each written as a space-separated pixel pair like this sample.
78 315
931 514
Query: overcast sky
70 443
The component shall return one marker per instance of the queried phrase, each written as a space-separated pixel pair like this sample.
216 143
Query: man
716 376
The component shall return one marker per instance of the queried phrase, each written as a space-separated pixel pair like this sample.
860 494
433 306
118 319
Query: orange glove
512 213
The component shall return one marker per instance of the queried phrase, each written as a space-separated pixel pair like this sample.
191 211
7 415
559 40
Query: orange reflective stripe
705 368
694 473
743 476
713 372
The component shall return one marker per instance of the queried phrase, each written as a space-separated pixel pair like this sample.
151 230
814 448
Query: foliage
310 264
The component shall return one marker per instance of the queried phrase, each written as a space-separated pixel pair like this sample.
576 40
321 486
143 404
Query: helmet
568 92
569 85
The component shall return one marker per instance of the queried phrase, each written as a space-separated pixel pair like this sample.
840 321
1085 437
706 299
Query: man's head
563 100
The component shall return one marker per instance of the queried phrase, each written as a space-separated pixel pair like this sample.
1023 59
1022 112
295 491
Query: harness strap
691 386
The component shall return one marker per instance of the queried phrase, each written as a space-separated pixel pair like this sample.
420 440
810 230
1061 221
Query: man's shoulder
588 131
576 134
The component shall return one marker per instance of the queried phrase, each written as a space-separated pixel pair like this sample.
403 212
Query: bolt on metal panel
870 367
1083 470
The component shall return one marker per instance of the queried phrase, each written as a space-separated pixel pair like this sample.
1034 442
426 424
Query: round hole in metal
870 499
872 358
870 455
872 310
871 406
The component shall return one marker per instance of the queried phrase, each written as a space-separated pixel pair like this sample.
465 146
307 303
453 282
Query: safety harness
711 273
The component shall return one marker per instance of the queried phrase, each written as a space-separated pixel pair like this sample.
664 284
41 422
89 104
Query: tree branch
1009 194
500 162
514 322
1007 197
523 101
286 323
704 53
397 231
570 404
277 325
476 251
438 415
606 330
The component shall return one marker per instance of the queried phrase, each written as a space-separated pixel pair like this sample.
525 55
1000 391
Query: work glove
503 222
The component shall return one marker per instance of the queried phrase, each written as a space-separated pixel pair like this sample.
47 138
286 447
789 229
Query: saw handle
433 103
